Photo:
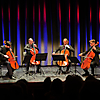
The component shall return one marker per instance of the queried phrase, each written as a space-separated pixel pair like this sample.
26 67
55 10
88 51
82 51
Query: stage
46 71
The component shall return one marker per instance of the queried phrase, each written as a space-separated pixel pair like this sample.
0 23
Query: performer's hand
67 46
80 54
10 49
53 53
6 56
35 45
31 50
66 56
94 47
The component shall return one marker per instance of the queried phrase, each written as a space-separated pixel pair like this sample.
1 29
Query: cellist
94 60
28 47
4 58
65 46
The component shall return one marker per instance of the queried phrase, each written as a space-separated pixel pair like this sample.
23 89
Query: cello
11 59
90 55
66 53
32 60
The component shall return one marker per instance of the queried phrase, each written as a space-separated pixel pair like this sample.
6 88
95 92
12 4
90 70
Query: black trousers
9 68
92 65
67 68
27 62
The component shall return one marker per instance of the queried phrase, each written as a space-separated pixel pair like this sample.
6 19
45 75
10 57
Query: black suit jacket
3 51
61 47
95 60
27 48
28 54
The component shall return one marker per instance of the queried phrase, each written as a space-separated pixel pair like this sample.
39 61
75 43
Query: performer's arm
27 48
69 47
36 47
57 50
96 50
1 54
84 53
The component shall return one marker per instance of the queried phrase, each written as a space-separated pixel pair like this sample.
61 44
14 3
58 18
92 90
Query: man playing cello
92 57
5 51
65 47
31 51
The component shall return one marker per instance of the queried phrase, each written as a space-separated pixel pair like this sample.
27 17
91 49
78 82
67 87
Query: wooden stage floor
48 72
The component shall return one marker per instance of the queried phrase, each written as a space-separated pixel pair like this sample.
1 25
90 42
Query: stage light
60 24
33 22
69 27
3 36
9 22
45 32
78 33
39 31
51 41
86 37
99 26
26 25
90 23
18 37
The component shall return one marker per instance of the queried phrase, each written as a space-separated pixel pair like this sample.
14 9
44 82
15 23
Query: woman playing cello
91 58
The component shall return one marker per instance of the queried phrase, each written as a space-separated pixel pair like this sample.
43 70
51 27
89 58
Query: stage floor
48 72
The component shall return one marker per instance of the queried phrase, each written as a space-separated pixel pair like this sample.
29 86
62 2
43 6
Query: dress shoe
67 72
59 72
86 74
13 78
6 74
37 71
27 72
63 72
